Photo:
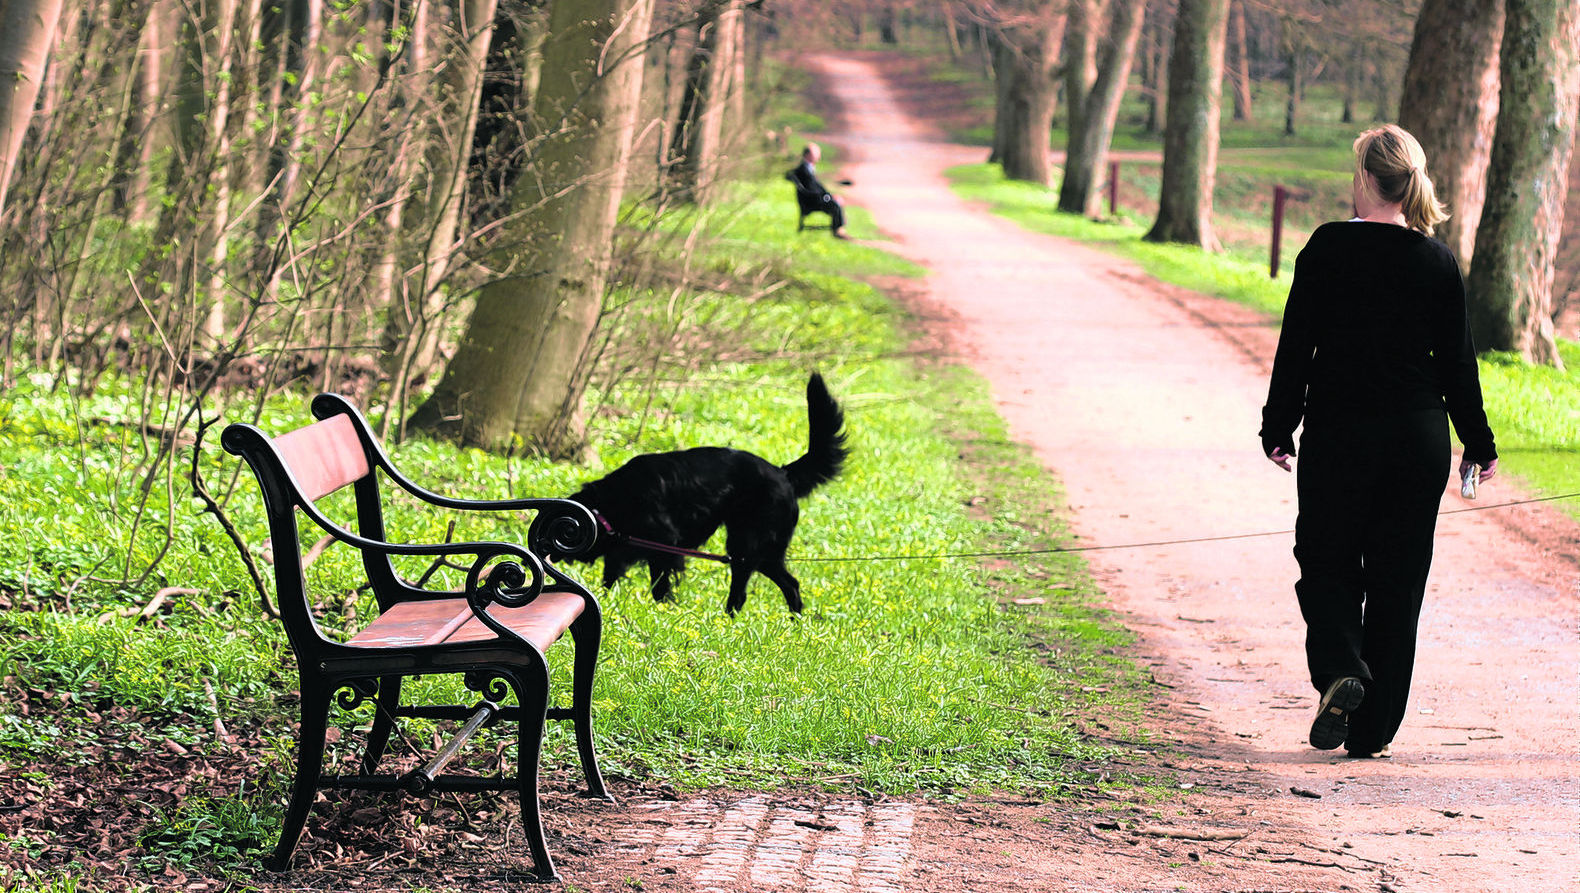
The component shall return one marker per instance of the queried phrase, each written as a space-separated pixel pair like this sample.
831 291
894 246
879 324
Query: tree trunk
1190 142
303 59
1383 84
516 379
407 89
1450 103
738 111
1240 70
134 156
1297 61
702 153
410 323
1026 112
1511 283
498 143
1154 77
1080 61
713 136
1003 77
887 35
1086 160
691 88
1353 73
27 28
214 46
952 34
676 90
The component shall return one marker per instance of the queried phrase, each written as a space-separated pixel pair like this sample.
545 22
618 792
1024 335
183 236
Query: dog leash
609 530
640 543
1054 550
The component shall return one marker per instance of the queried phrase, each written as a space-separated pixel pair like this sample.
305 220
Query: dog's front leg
740 574
615 564
661 572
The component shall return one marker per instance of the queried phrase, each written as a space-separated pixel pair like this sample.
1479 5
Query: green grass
1535 413
902 675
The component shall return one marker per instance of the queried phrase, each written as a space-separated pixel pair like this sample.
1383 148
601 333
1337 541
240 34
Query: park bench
494 632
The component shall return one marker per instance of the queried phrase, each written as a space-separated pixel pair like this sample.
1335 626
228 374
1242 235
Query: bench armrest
562 525
513 582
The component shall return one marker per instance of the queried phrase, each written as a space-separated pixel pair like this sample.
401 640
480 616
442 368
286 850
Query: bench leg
309 767
587 634
383 723
532 691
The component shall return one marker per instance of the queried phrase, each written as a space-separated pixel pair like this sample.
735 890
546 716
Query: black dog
680 498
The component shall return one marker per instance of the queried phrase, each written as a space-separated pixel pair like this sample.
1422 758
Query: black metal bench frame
494 632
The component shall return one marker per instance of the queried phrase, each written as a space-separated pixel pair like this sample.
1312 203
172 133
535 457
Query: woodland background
425 203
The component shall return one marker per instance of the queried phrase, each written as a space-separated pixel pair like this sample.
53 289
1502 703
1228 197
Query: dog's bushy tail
825 452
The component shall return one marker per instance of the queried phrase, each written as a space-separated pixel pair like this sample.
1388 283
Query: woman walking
1375 351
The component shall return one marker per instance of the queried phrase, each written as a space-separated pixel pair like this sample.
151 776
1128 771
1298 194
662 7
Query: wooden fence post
1280 194
1113 188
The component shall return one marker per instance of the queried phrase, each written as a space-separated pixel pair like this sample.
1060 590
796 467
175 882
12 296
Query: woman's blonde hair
1397 164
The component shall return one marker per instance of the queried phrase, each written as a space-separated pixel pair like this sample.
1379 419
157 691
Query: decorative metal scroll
563 531
491 684
353 693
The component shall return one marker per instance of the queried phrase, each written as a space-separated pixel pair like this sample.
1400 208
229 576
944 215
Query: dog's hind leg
776 571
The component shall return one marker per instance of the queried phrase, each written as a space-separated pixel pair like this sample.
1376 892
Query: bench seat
450 621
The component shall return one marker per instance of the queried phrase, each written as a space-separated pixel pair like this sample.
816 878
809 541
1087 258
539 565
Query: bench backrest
294 471
323 456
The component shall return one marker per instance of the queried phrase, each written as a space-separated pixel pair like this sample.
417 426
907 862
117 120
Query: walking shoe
1383 754
1332 724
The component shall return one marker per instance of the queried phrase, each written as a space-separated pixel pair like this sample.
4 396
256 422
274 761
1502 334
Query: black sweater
1375 326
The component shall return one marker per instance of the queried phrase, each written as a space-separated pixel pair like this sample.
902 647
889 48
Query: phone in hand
1468 481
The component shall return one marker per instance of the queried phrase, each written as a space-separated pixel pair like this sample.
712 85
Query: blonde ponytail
1397 164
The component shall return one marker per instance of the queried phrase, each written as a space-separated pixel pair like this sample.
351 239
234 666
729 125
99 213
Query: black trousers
1369 494
835 212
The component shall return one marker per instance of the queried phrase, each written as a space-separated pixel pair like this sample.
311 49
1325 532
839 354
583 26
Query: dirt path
1144 401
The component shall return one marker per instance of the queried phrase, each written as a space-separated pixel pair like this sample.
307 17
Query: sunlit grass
1535 413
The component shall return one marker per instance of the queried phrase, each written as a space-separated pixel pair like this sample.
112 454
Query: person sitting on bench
812 195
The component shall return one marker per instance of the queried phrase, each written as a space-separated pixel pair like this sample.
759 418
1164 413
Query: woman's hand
1281 459
1487 471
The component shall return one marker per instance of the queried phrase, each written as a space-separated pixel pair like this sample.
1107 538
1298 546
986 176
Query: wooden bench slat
450 621
323 456
542 622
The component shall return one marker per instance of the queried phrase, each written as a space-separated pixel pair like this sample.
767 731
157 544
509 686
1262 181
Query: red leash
609 530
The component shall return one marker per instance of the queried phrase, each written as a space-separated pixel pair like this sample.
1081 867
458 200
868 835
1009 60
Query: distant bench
494 632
